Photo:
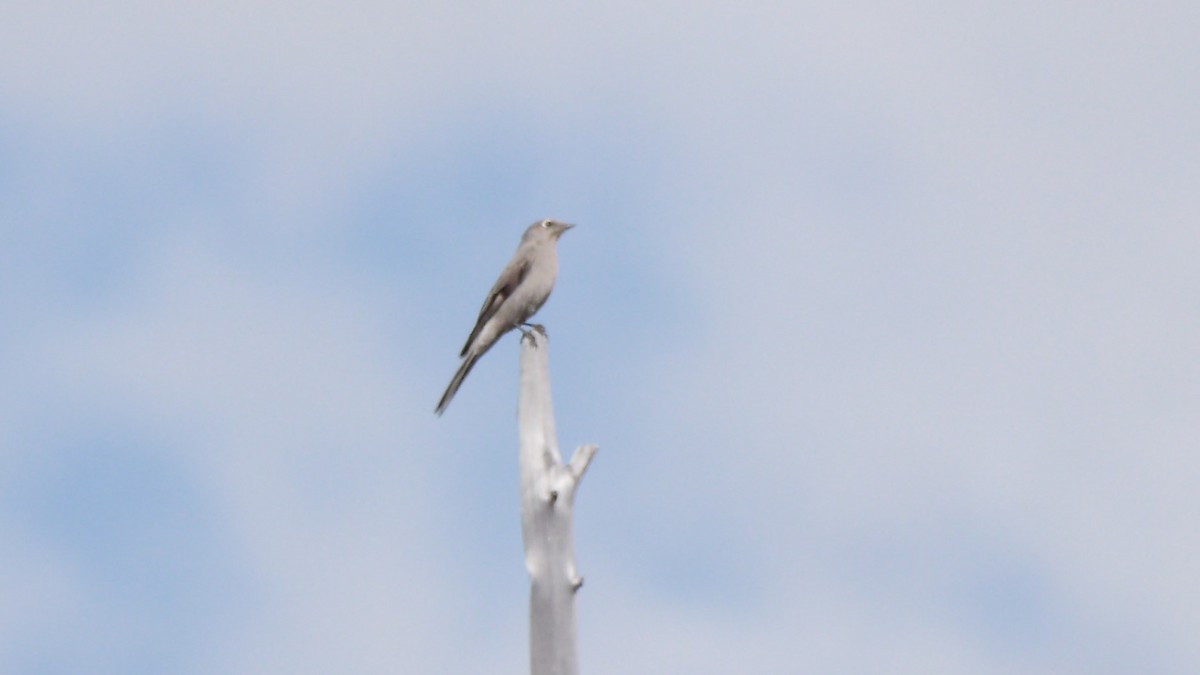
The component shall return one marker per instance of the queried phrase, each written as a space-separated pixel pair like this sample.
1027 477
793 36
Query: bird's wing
509 279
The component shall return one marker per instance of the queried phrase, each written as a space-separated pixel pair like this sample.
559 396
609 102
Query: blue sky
884 318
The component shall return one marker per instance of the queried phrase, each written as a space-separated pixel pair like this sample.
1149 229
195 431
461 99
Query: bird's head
546 229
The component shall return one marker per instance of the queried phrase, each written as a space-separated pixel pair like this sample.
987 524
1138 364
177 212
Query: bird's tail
456 382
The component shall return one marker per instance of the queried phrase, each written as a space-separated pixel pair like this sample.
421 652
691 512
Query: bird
522 289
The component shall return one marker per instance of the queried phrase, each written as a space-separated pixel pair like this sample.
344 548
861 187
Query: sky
885 319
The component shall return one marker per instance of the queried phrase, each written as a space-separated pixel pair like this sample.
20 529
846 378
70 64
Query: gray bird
520 291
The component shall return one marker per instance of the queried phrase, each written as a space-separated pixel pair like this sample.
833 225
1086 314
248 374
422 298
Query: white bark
547 495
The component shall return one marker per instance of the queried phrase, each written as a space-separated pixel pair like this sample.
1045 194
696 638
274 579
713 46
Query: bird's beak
563 227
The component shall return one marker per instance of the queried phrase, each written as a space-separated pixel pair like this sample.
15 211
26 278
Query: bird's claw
532 327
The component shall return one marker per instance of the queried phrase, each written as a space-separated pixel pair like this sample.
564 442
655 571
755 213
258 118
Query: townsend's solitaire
523 286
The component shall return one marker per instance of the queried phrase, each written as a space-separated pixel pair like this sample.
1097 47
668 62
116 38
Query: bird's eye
546 223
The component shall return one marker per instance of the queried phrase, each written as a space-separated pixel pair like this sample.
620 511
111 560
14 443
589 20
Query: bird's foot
528 329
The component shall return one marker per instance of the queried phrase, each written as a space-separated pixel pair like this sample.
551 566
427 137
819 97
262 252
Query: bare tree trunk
547 494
